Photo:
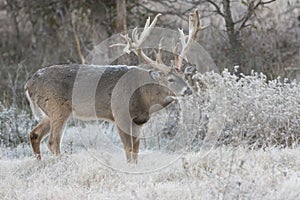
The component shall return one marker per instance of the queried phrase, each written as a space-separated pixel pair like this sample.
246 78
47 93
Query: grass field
220 173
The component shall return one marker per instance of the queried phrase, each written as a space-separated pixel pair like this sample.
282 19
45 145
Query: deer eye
171 80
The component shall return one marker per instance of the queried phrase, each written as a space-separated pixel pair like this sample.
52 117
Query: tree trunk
121 27
99 14
236 51
121 16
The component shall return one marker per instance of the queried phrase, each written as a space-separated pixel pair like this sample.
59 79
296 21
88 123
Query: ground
219 173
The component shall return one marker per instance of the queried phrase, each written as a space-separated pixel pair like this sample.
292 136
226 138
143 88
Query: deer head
173 75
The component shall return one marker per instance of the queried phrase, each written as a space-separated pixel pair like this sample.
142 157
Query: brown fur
50 92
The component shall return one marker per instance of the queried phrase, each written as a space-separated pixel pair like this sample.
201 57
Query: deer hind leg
136 148
37 135
131 145
57 124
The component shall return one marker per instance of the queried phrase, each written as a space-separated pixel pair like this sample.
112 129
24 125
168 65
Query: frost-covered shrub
14 126
250 110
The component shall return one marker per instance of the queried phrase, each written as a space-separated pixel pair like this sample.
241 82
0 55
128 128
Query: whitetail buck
50 89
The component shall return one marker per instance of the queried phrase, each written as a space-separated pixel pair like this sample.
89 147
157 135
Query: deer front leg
37 135
57 125
131 145
136 148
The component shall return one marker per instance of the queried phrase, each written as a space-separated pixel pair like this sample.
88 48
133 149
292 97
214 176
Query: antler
186 40
134 44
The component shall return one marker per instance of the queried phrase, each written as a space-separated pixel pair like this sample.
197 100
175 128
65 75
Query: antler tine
158 55
194 27
134 34
175 54
127 46
147 29
134 44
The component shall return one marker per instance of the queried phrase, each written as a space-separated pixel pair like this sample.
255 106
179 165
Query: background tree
36 34
121 24
234 27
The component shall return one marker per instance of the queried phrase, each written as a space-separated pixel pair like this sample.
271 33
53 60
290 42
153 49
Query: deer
50 92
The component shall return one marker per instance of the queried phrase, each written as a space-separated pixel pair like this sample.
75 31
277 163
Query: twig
185 166
78 46
218 10
251 11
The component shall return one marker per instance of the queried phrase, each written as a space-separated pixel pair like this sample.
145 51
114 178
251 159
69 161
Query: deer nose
188 91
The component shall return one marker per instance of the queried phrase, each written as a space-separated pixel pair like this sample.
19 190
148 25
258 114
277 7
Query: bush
14 126
248 110
251 110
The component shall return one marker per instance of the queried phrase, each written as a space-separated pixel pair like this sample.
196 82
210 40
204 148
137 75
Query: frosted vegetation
229 173
252 126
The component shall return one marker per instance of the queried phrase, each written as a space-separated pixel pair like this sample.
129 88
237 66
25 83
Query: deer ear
189 69
155 75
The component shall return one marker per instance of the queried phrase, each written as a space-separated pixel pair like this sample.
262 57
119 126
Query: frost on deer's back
40 72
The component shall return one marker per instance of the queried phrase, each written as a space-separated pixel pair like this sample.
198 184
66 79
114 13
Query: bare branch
266 2
251 11
172 10
78 46
218 10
